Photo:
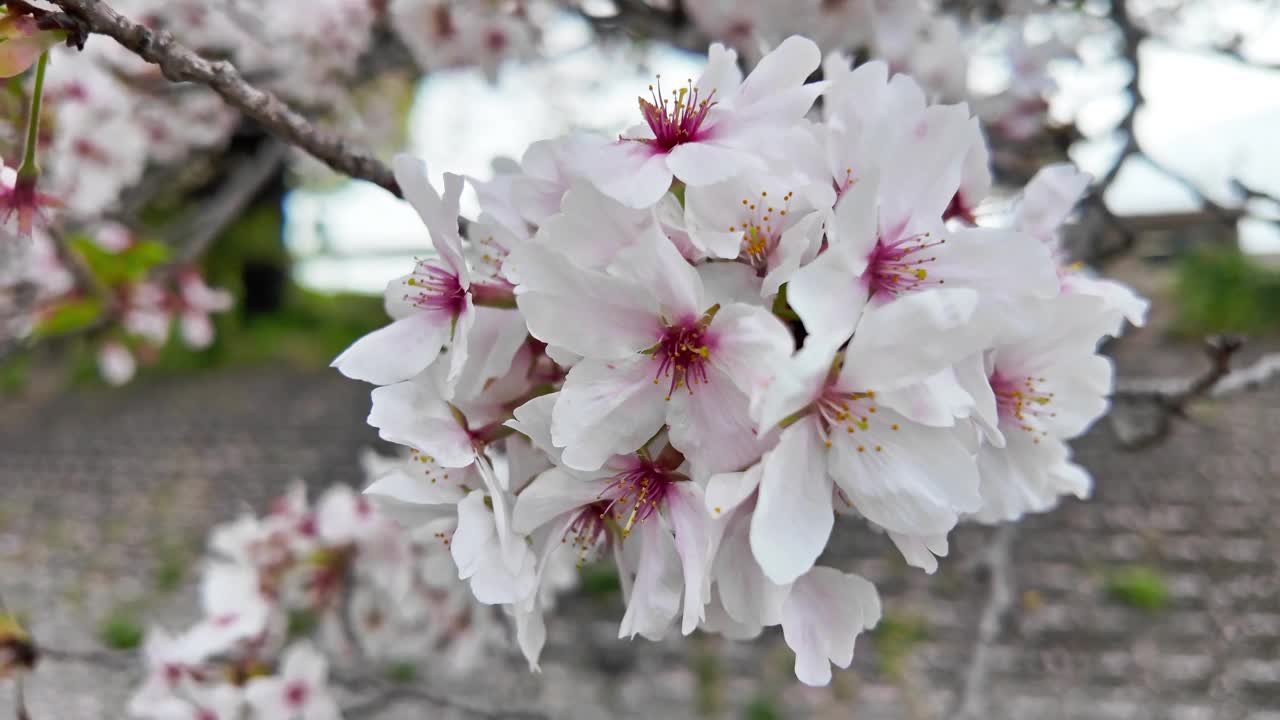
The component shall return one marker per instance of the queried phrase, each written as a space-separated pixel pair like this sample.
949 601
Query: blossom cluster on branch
286 593
689 349
934 47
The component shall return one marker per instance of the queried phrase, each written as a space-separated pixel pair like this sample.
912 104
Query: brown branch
1143 409
1263 370
636 18
181 64
1175 395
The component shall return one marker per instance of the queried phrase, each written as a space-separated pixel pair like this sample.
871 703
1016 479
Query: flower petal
655 593
725 491
711 425
414 413
587 312
912 337
605 409
828 294
905 477
794 514
631 172
552 494
707 162
396 352
690 524
821 620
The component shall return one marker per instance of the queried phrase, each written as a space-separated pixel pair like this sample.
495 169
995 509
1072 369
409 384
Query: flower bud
21 43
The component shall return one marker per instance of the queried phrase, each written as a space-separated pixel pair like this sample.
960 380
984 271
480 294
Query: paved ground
105 493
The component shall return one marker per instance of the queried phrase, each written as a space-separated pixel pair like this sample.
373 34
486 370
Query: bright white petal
655 593
631 172
785 68
914 480
912 337
552 494
751 344
921 551
704 163
828 294
726 491
589 313
533 420
414 413
712 426
689 522
395 352
794 514
822 618
655 264
606 409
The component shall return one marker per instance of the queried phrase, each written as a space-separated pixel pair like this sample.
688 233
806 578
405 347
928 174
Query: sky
1210 119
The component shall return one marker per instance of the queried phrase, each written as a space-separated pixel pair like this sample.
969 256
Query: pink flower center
436 289
682 354
23 200
295 694
637 494
676 120
1019 402
588 532
900 266
495 41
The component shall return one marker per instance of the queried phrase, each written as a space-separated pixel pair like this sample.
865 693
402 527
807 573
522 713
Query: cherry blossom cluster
39 293
147 318
455 33
285 594
915 38
688 349
111 115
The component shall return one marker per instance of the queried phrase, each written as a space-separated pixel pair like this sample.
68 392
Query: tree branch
1143 408
1175 395
973 698
388 695
181 64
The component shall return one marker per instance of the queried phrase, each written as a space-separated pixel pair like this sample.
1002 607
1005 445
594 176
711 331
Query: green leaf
140 257
129 265
69 317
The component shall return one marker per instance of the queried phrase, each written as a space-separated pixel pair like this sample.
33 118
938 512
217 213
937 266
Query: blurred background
1159 598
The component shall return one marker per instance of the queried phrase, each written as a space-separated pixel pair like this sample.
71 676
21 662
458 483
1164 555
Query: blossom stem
795 417
30 166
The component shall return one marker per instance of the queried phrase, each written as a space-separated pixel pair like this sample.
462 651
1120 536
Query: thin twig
106 658
389 694
1175 395
181 64
973 696
1144 409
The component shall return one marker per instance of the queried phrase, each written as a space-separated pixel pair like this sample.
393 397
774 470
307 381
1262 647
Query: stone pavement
1158 599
